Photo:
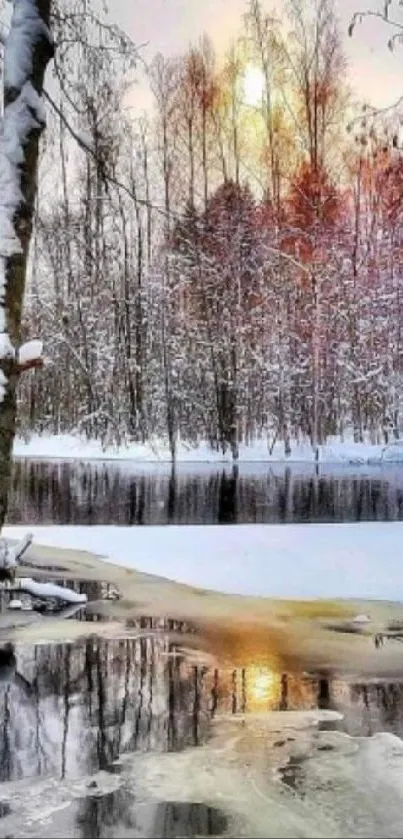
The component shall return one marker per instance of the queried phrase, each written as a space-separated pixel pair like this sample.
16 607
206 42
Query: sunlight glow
253 85
262 686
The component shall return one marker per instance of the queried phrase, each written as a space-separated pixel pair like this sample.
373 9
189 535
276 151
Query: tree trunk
27 52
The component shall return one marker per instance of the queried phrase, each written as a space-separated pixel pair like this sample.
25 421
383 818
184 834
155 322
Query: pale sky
168 26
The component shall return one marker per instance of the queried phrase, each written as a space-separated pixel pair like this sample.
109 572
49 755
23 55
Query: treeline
228 268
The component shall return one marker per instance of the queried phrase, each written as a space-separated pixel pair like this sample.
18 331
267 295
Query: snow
15 604
11 555
361 619
49 590
85 139
19 118
30 351
3 382
27 28
299 561
70 447
6 347
18 121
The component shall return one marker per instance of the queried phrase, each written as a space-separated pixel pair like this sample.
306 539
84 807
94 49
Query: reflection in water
373 707
5 809
367 708
262 685
99 493
97 814
71 709
179 819
117 814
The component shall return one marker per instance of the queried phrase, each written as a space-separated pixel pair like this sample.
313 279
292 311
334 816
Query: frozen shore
69 447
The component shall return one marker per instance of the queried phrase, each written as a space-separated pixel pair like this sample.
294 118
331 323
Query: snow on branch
48 590
11 555
10 559
30 355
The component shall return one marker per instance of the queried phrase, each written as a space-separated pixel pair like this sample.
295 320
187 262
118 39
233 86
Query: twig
107 177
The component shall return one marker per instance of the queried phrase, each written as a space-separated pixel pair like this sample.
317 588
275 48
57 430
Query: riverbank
236 630
354 560
69 447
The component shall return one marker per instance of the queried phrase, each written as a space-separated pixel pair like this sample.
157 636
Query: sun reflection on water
263 687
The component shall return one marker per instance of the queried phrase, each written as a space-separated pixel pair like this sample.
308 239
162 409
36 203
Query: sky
169 26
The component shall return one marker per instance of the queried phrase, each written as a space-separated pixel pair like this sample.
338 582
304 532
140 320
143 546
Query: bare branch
108 178
383 16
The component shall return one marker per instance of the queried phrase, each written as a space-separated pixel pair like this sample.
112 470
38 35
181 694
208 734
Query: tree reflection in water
92 493
70 709
117 814
73 708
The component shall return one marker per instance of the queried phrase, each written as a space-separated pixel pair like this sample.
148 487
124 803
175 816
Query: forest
226 265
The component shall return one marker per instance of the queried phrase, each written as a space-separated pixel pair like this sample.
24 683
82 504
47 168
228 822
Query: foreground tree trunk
28 49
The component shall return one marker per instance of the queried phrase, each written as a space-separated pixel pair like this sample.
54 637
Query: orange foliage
392 192
313 199
314 208
199 82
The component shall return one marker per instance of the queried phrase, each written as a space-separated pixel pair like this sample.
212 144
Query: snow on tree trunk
28 49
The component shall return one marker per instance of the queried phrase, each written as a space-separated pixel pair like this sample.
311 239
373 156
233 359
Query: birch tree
28 49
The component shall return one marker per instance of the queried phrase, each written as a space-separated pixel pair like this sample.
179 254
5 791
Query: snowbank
292 561
71 448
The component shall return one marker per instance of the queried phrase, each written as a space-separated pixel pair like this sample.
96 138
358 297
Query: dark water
117 814
78 493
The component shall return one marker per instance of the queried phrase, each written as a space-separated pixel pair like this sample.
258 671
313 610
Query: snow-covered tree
27 51
168 314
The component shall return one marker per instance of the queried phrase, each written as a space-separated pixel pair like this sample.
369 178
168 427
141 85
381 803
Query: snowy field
70 447
299 561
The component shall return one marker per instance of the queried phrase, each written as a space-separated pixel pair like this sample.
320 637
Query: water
117 814
71 709
100 493
77 712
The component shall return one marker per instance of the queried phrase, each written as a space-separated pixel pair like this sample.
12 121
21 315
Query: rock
112 593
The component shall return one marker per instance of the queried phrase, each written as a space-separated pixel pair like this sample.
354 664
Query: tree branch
108 178
48 590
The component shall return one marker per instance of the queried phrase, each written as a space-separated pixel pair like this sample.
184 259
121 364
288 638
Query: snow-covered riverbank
292 561
70 447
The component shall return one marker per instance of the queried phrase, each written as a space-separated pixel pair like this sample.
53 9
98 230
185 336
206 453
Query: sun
253 85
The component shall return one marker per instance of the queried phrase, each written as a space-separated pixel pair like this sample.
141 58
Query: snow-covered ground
301 561
70 447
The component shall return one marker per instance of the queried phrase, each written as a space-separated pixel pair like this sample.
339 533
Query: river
49 492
